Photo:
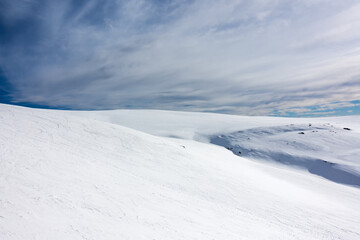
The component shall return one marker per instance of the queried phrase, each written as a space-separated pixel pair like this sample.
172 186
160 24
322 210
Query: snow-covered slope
321 149
327 147
200 126
65 175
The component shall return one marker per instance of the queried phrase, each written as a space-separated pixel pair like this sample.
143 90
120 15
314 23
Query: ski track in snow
81 175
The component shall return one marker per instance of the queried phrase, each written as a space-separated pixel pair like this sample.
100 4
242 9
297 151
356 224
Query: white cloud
237 56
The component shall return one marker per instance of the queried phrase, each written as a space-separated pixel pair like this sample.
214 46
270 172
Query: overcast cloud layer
257 57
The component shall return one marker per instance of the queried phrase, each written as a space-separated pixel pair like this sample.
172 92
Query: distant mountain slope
66 176
200 126
321 149
327 147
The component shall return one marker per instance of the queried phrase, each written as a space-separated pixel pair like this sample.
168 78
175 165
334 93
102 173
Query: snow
105 175
199 126
322 149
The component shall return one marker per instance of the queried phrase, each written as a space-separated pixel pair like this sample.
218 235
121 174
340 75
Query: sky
260 57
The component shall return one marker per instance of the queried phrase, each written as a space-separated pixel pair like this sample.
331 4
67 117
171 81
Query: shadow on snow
328 170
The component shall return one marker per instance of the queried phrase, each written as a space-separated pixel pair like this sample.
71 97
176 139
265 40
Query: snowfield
146 174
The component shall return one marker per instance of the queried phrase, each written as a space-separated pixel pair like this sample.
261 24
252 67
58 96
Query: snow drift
81 175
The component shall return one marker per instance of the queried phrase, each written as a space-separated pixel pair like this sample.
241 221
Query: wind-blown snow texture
81 175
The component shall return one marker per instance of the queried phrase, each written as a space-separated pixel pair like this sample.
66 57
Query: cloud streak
242 57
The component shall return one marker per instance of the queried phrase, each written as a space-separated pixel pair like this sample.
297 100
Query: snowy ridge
69 175
327 147
322 149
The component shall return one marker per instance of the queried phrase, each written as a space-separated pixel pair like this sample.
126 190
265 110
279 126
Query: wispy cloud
246 57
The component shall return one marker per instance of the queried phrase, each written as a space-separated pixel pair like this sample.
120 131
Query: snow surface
88 175
321 146
322 149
